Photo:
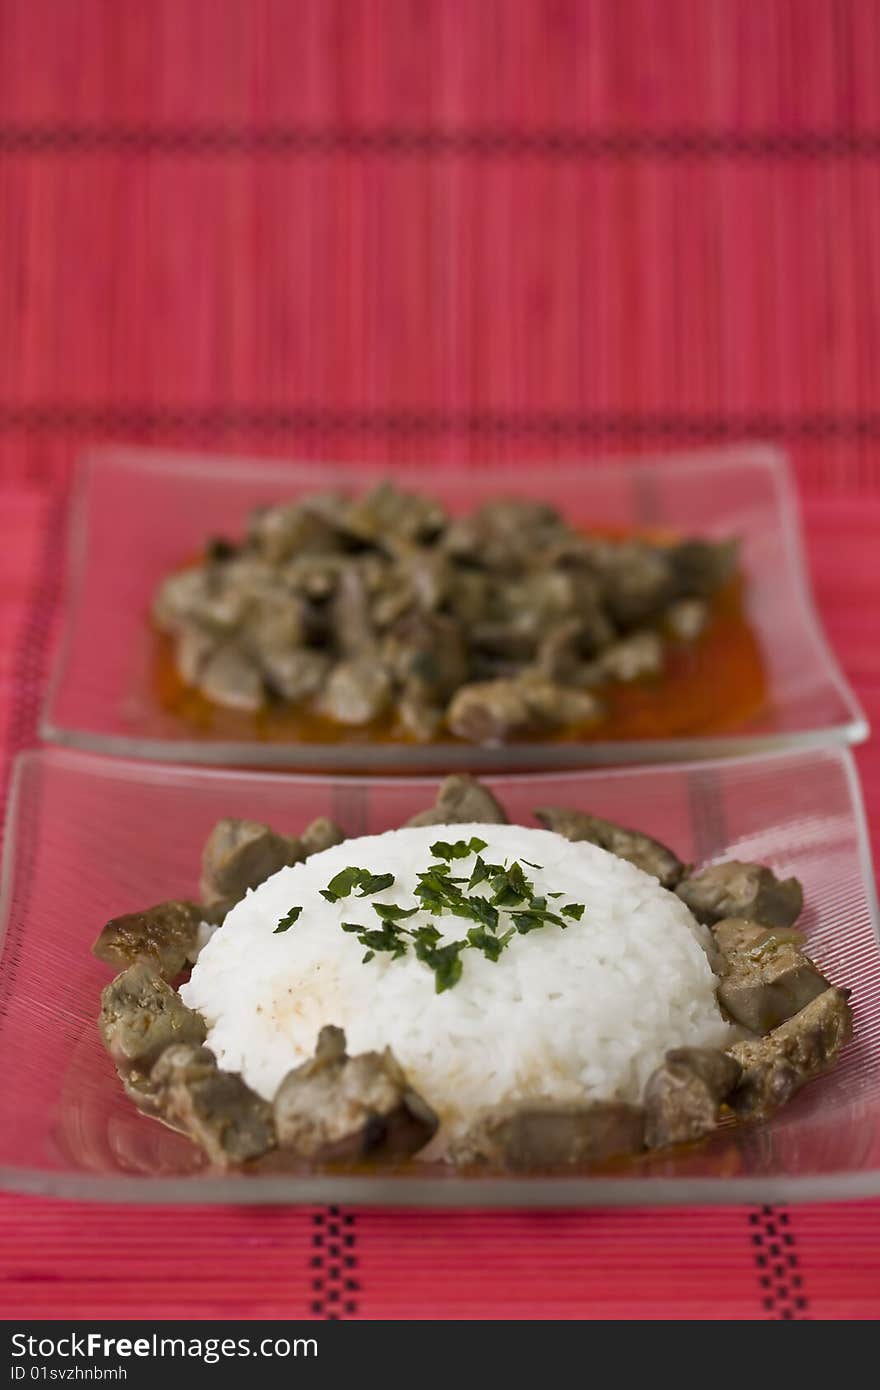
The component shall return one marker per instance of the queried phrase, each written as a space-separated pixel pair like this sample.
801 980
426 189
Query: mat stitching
778 1265
490 142
334 1264
54 416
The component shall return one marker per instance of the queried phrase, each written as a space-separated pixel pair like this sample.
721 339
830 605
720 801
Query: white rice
587 1011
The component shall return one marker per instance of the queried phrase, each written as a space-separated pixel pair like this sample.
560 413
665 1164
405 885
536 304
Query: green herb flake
374 883
287 921
390 913
445 961
574 910
341 884
444 850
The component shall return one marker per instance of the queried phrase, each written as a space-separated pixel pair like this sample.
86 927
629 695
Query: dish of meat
90 838
383 613
437 991
540 649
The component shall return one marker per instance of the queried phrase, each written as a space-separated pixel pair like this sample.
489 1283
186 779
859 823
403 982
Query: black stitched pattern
129 418
491 142
776 1261
334 1265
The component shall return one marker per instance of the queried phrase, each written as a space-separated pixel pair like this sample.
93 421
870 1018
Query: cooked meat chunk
141 1015
700 568
418 716
489 712
292 529
766 979
295 673
239 854
683 1096
462 800
633 658
194 648
504 535
337 1108
139 1088
687 618
350 616
321 834
777 1066
522 1135
164 935
357 691
426 654
230 677
197 597
735 889
215 1108
638 581
641 850
386 515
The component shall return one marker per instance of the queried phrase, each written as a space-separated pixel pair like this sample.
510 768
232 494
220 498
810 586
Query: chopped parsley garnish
389 913
288 920
462 849
344 883
438 891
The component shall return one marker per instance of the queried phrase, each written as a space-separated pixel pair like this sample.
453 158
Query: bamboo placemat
424 233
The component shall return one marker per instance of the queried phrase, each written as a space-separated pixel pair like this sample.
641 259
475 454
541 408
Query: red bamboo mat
422 232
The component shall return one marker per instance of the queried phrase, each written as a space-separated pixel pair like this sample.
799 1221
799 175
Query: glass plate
138 514
90 837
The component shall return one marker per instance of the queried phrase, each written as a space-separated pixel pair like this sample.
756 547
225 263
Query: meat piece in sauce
638 581
489 712
141 1015
240 854
766 978
231 677
427 658
505 535
647 854
735 889
774 1068
700 568
357 691
321 834
426 655
164 936
687 618
340 1108
215 1108
683 1097
386 515
293 528
462 800
523 1135
633 658
194 647
294 673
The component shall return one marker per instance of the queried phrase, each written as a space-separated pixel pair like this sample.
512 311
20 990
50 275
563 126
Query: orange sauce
707 686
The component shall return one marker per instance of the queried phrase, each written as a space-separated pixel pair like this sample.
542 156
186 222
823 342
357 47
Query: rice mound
584 1012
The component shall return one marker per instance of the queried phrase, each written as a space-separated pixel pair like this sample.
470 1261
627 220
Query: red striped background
424 230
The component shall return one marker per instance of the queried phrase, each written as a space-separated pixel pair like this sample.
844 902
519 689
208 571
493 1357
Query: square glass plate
90 837
139 514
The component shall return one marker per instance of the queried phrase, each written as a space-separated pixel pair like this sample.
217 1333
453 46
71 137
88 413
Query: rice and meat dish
386 611
466 989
